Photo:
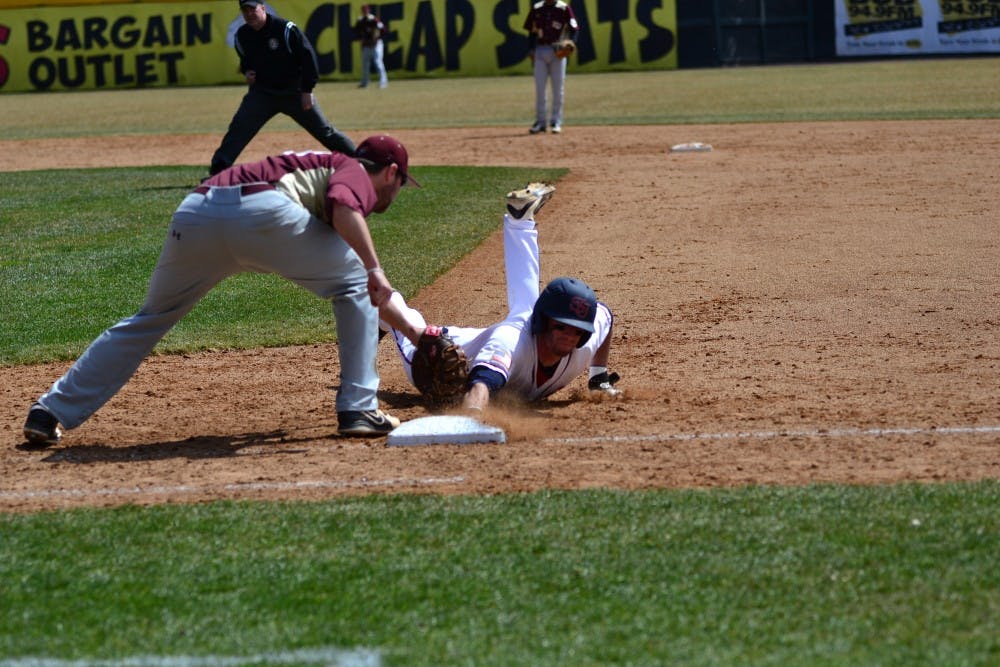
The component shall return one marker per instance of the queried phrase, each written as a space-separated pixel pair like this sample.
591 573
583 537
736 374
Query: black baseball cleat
367 423
41 428
537 127
524 203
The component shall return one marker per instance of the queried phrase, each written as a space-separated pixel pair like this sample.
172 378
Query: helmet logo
579 307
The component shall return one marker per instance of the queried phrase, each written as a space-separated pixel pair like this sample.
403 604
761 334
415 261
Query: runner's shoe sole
529 200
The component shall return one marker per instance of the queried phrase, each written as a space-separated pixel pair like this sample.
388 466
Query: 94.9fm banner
900 27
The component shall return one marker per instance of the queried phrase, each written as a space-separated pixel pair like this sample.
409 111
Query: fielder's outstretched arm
353 228
395 312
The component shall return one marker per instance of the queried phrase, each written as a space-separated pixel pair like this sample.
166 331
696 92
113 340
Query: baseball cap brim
582 325
410 181
383 150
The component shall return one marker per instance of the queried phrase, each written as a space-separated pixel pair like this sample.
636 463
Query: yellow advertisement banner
891 27
116 46
190 43
13 4
866 17
970 15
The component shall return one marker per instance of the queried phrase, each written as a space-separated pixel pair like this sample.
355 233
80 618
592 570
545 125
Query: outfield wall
94 45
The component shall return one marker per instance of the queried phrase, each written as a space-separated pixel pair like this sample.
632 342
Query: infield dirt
806 303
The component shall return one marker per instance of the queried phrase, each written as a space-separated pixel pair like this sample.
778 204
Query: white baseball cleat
524 203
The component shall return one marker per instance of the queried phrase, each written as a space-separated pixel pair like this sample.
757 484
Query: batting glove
605 382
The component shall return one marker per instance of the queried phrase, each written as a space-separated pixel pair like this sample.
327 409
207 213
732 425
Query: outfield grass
933 88
827 575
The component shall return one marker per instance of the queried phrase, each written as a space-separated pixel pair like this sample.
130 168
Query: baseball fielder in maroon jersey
548 23
369 29
299 215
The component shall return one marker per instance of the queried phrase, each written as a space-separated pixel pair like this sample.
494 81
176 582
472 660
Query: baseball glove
440 368
565 48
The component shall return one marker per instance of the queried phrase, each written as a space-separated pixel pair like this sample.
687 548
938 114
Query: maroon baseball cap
382 150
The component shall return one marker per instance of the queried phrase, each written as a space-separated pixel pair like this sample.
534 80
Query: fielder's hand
379 288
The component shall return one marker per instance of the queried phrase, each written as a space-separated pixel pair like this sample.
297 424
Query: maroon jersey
369 29
317 181
549 23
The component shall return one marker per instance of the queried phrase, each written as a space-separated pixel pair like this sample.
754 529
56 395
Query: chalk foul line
237 487
331 657
791 433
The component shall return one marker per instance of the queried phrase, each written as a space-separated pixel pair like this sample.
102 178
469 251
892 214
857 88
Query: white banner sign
894 27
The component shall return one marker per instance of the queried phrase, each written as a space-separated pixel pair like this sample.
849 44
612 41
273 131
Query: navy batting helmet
569 301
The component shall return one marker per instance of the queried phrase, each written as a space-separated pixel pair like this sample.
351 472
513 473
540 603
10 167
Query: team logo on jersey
579 307
273 44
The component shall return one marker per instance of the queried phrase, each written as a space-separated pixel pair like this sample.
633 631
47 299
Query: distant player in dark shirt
369 29
548 23
279 63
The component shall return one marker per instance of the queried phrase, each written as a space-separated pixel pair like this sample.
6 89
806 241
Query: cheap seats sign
142 44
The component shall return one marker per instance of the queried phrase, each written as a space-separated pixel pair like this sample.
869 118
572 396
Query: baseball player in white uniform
547 339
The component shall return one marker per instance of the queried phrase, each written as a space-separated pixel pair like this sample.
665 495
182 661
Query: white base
693 147
444 430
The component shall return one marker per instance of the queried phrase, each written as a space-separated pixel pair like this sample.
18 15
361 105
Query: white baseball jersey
508 347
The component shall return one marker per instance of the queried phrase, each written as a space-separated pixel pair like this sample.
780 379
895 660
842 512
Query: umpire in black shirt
279 63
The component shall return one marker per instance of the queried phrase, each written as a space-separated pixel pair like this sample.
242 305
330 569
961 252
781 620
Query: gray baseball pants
211 237
549 67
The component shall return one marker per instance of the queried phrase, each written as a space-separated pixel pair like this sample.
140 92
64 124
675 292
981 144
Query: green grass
912 89
826 575
830 575
79 247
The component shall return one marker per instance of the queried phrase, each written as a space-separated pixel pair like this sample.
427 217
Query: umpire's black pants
257 108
